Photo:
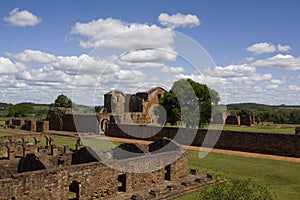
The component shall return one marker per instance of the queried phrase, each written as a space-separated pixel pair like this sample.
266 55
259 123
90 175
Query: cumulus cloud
178 20
264 47
22 18
69 64
261 48
233 70
287 62
113 33
174 70
150 55
283 48
33 56
9 67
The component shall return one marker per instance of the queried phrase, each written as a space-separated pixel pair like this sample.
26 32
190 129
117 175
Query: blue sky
255 46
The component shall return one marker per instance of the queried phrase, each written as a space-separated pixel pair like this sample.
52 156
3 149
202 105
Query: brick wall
268 143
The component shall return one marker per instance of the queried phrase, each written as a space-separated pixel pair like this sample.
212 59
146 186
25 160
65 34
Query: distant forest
281 114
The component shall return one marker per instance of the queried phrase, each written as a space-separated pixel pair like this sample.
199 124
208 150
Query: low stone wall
268 143
93 180
80 123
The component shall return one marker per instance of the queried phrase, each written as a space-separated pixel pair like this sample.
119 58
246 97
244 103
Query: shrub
235 189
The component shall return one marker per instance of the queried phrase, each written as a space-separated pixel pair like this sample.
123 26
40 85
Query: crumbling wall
232 120
276 144
88 180
42 126
95 180
246 120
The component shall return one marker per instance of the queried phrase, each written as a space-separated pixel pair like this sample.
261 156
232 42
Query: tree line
281 114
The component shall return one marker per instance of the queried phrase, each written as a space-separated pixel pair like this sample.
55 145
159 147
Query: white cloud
287 62
33 56
149 56
70 64
175 70
22 18
9 67
282 48
234 70
261 48
44 76
113 33
178 20
277 81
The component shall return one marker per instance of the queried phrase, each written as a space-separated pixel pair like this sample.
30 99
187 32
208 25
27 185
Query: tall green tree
188 102
62 101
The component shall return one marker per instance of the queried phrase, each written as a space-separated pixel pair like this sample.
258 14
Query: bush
234 189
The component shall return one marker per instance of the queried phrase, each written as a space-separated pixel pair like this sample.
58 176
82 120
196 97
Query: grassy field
281 178
275 128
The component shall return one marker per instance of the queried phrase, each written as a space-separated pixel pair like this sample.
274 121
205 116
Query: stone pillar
45 127
79 144
238 120
8 122
54 150
42 126
31 125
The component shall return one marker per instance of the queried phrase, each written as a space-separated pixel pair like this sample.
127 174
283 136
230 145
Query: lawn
275 128
71 142
282 178
2 133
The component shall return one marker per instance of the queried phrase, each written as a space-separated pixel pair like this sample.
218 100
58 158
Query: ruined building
130 108
32 170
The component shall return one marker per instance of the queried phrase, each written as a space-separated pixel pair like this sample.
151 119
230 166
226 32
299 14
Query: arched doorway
4 153
104 124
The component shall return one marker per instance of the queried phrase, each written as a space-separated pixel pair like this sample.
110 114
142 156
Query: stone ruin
130 108
32 170
63 119
27 124
228 119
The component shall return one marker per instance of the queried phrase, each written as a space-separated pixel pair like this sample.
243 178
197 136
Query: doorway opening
73 193
122 183
168 172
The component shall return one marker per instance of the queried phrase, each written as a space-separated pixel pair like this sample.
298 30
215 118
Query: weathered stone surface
130 108
51 172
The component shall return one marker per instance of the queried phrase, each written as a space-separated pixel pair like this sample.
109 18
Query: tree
19 110
185 98
62 101
214 95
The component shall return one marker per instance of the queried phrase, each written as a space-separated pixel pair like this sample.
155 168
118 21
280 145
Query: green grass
276 128
71 142
281 178
64 141
2 133
101 144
